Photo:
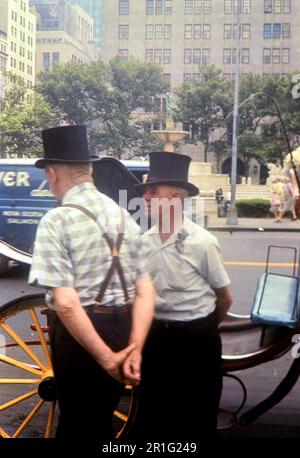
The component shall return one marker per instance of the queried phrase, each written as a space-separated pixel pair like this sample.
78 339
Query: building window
286 30
46 60
197 6
286 6
235 6
167 78
227 76
247 7
245 56
158 56
196 77
267 30
197 31
228 6
123 7
206 6
206 31
159 7
268 6
234 55
149 32
227 31
188 56
277 6
149 55
55 58
123 31
226 56
206 56
168 7
234 31
188 6
150 7
276 55
246 31
188 31
276 30
158 31
123 55
187 77
167 56
197 56
286 55
168 31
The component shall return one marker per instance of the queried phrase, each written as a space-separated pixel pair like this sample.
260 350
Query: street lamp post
232 211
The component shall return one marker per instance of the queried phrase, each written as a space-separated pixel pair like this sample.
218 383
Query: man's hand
132 367
112 363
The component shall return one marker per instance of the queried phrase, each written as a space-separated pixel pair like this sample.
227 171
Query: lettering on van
22 217
42 190
15 178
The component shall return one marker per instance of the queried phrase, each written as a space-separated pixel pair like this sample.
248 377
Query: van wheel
3 265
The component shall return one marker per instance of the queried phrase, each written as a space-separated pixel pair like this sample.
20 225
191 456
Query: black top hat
65 144
169 168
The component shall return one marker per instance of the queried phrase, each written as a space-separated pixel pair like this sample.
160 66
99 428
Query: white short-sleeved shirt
186 270
70 250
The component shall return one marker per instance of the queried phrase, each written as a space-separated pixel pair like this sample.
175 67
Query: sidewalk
215 223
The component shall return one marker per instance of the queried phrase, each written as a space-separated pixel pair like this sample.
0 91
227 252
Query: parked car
25 197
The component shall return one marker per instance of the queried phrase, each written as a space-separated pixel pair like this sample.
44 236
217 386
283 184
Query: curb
251 229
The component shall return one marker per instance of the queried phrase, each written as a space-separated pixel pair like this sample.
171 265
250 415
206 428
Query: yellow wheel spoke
40 334
3 433
49 425
20 381
23 345
120 415
18 400
28 418
20 365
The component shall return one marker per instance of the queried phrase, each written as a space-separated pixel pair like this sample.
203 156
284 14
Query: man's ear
52 173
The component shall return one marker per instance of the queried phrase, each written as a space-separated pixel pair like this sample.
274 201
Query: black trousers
181 382
87 395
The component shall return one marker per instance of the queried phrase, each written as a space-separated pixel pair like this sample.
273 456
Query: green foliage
105 97
253 208
22 118
204 105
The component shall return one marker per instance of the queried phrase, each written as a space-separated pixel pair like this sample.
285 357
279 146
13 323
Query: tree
204 105
22 118
110 99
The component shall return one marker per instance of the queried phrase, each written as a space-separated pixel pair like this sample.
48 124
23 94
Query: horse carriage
27 385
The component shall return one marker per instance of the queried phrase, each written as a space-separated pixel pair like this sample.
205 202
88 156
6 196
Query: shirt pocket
178 273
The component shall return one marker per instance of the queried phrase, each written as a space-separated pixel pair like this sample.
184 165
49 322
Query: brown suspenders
115 249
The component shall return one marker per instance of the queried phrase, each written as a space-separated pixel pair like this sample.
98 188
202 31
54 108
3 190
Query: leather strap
115 249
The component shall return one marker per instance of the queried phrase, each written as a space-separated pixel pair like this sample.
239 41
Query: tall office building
64 33
94 9
3 62
181 34
18 23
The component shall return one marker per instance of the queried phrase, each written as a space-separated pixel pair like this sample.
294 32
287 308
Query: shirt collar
78 188
180 234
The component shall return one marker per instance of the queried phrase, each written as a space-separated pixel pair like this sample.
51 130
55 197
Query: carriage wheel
27 390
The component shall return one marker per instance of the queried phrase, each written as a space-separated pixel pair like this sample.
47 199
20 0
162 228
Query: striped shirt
70 250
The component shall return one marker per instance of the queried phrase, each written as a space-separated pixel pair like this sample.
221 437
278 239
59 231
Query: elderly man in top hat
88 255
181 369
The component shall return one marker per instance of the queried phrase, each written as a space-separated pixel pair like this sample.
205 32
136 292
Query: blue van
25 197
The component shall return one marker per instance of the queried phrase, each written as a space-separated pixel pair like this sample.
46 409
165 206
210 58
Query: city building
94 9
181 34
18 22
64 33
3 61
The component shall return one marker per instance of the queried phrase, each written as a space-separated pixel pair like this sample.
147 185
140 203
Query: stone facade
181 34
18 22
